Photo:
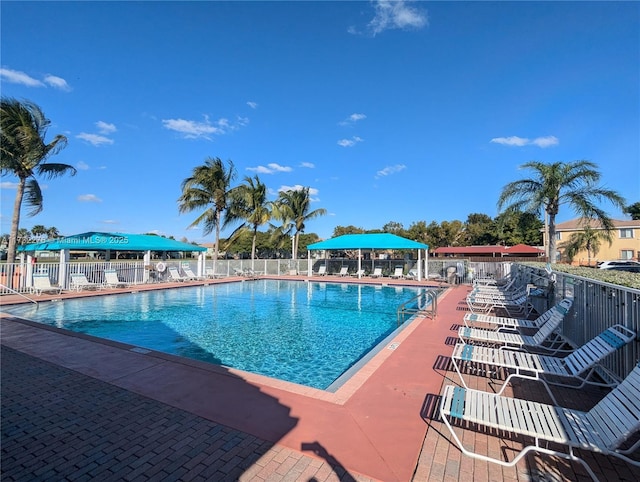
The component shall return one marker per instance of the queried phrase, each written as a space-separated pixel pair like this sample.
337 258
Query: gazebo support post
146 261
200 268
62 276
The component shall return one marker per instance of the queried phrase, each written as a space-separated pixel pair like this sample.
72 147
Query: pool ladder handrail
11 290
430 306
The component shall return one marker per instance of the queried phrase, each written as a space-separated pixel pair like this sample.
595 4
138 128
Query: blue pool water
303 332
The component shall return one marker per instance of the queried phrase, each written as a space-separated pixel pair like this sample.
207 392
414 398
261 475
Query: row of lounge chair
377 273
79 282
490 344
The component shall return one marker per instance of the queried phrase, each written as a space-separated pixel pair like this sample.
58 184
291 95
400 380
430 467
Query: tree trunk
552 238
217 245
15 222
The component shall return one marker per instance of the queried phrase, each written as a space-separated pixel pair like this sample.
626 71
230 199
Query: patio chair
42 284
174 275
322 270
377 273
358 274
211 274
80 282
397 274
190 274
344 271
577 367
512 306
490 281
602 429
111 279
479 320
544 339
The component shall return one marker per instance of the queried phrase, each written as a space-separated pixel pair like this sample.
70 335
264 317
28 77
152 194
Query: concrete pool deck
80 408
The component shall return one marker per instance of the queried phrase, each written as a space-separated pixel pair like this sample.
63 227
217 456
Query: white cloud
396 14
390 170
543 142
240 122
8 185
547 141
105 127
89 198
270 168
312 190
350 142
308 165
110 221
352 119
17 77
191 129
253 105
57 82
82 166
94 139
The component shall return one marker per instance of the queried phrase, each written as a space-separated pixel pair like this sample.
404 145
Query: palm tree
208 188
249 203
554 185
588 240
292 208
53 232
23 153
38 230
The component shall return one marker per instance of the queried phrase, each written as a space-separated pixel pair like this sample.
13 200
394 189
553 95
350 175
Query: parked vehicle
617 264
632 268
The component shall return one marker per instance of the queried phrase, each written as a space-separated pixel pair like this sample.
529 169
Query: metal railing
3 287
596 306
424 303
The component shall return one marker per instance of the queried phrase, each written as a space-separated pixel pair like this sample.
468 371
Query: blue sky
387 111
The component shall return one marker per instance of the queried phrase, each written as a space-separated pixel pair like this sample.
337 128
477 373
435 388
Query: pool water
304 332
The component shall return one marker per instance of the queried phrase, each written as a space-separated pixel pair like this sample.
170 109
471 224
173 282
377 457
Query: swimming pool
308 333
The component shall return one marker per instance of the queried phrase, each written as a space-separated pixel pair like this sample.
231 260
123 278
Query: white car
617 264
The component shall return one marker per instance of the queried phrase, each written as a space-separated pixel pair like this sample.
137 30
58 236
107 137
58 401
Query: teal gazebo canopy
370 241
98 241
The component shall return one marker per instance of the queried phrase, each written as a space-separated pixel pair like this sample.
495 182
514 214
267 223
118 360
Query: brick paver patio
58 424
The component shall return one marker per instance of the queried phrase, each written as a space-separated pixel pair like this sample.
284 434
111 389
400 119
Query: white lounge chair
358 274
322 270
398 273
190 274
377 273
512 305
211 274
111 279
80 282
578 366
479 320
174 275
42 284
541 340
344 271
602 429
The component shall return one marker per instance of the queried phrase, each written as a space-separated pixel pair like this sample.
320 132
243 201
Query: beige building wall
625 241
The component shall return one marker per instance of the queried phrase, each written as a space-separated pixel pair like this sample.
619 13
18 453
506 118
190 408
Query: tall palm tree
23 153
556 184
588 240
292 208
208 188
249 203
